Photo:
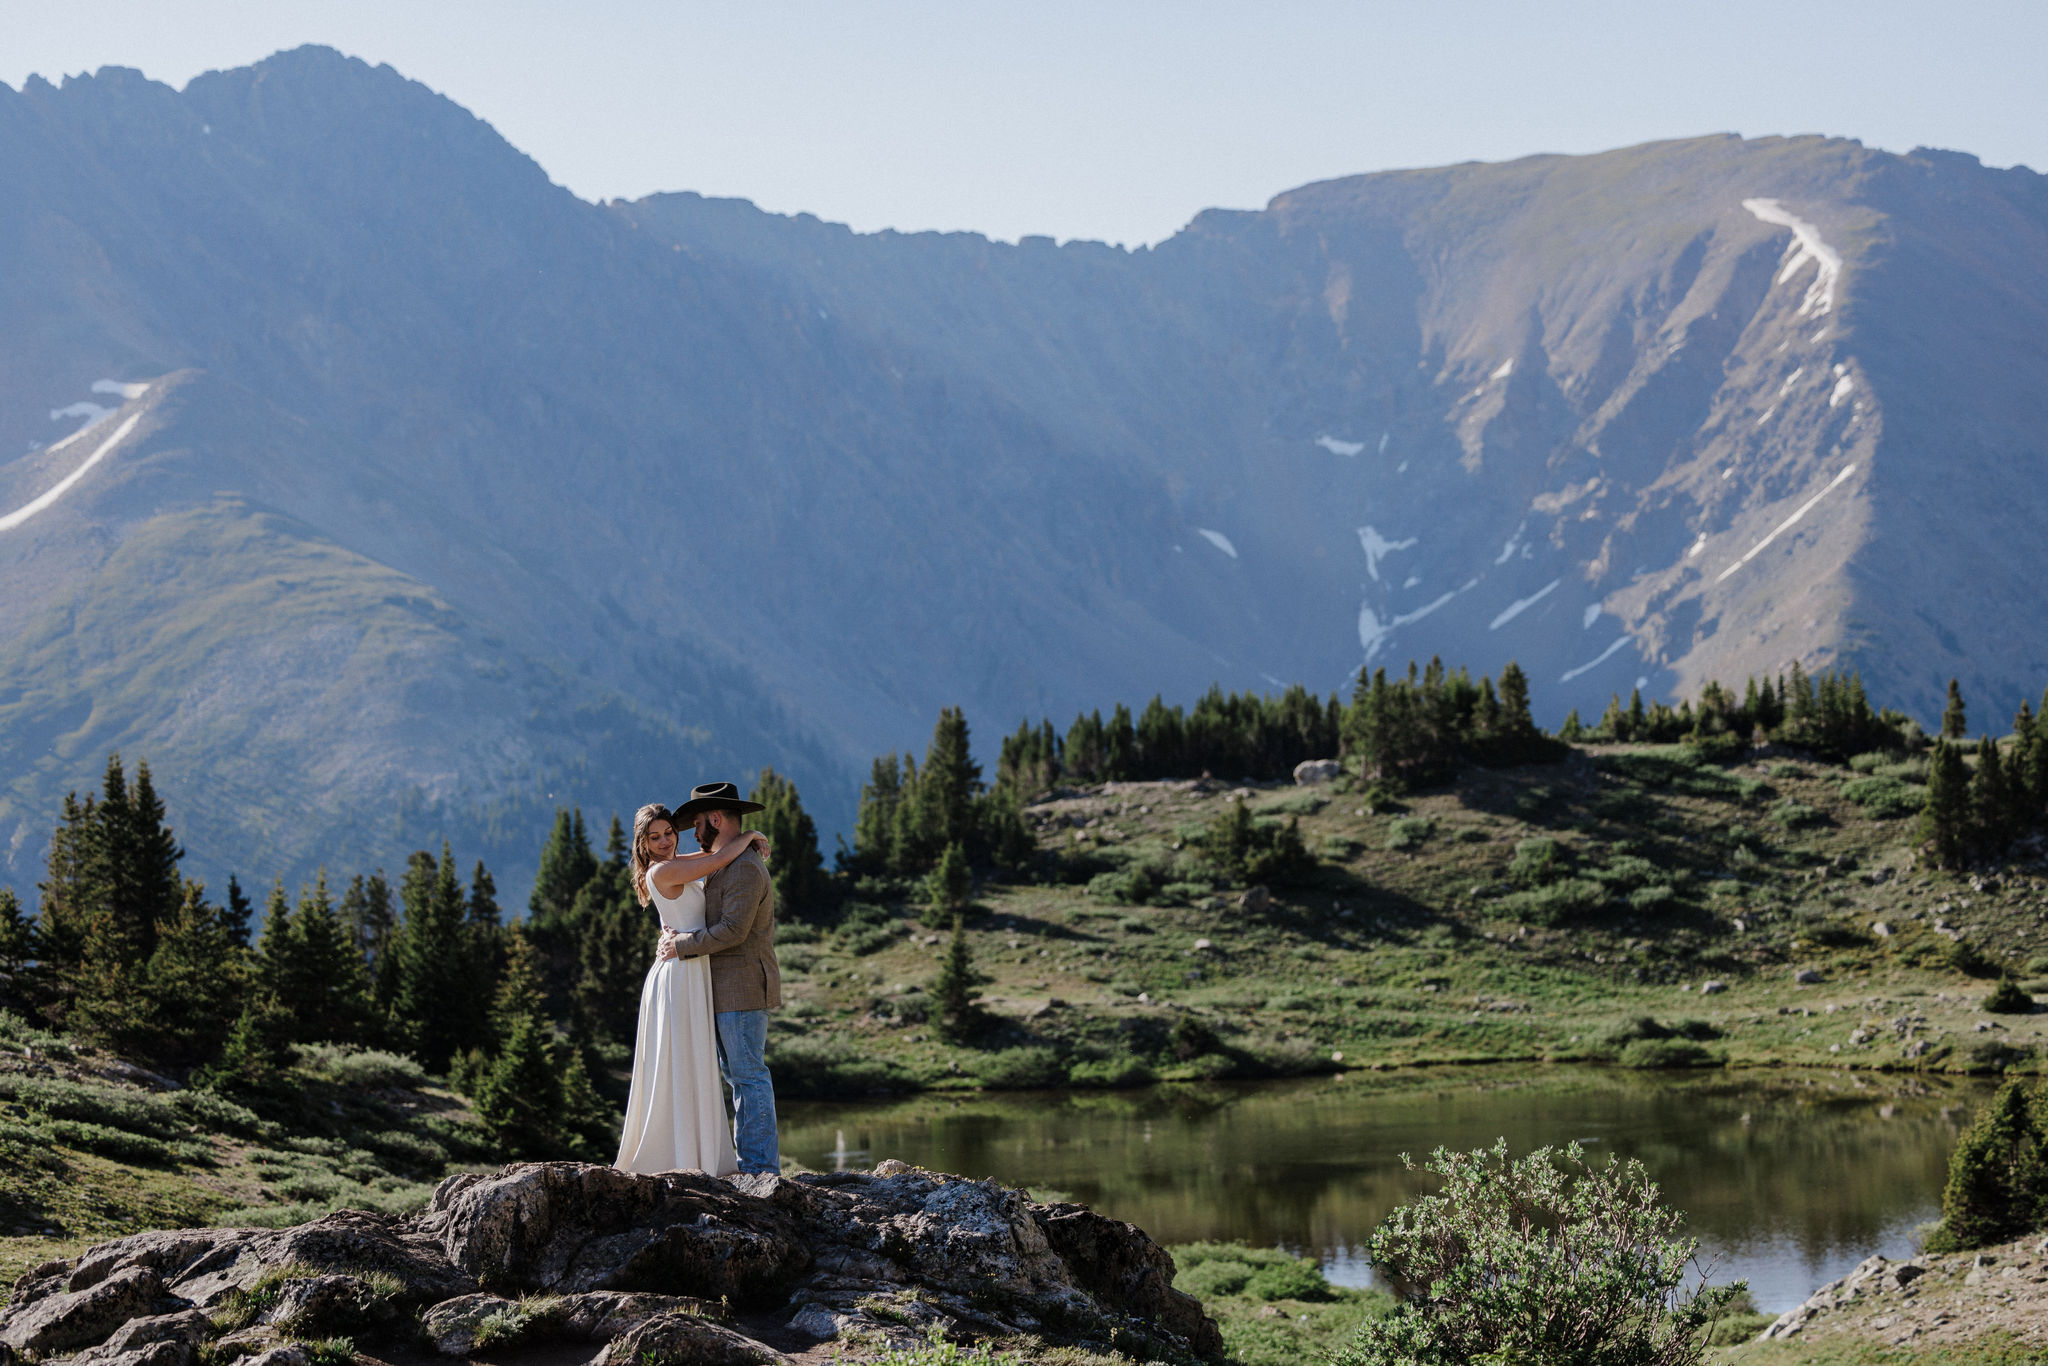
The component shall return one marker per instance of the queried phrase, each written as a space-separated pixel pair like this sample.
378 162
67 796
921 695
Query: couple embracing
704 1007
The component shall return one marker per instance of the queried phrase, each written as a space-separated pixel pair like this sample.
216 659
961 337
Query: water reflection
1789 1178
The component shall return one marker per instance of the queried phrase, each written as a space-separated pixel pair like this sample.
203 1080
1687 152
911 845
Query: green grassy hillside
1578 910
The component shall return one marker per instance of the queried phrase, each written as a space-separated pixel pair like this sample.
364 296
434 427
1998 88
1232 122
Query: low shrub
807 1067
1298 803
1654 1053
138 1112
1870 761
368 1068
1339 848
1544 1259
1131 886
1656 897
1885 798
1021 1069
118 1144
2008 998
789 933
216 1113
1796 815
1537 861
408 1149
1213 1278
795 957
861 940
1294 1279
19 1032
1410 832
1970 959
1626 873
1557 904
1120 1070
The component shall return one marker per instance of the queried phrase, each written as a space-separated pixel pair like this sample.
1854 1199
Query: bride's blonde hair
642 859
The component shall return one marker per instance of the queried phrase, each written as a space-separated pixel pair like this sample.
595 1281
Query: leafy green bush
1796 815
1651 1053
216 1113
1339 848
1213 1278
829 1067
2007 998
1120 1070
1544 1259
407 1149
19 1032
1627 872
1301 802
792 932
1410 832
1869 761
1021 1069
1129 886
369 1068
138 1112
1885 798
861 940
1997 1173
795 957
1294 1279
1557 904
118 1144
1969 958
1537 861
1655 897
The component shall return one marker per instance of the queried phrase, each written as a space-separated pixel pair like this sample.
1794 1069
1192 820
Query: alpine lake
1788 1178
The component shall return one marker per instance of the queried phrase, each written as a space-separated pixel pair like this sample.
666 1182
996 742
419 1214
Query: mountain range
378 490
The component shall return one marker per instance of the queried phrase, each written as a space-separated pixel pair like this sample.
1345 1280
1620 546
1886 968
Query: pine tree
1954 720
1990 800
566 863
197 979
532 1094
237 914
617 935
1003 831
1997 1175
910 849
875 823
17 955
949 884
950 782
1573 730
153 854
1119 746
1945 821
257 1052
802 890
1229 841
431 1004
310 963
67 898
957 987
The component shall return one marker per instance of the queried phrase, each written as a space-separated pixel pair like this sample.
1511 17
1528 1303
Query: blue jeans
742 1044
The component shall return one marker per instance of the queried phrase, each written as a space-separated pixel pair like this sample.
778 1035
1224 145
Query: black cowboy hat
714 797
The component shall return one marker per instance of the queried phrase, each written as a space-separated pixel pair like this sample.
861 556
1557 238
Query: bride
675 1117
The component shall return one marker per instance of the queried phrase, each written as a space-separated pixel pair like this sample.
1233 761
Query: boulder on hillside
1309 772
649 1264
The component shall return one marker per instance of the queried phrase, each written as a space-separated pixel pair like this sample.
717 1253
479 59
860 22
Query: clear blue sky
1103 119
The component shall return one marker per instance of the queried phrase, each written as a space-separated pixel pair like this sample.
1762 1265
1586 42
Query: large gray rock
578 1252
85 1316
162 1340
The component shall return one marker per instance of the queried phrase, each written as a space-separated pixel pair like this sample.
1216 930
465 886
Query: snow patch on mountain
1337 447
1217 539
1373 633
1843 388
1807 245
62 486
1377 547
1515 609
1592 615
1507 552
115 386
1787 524
91 412
1507 367
1595 662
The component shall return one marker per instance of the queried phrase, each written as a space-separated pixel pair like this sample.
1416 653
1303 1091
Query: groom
738 939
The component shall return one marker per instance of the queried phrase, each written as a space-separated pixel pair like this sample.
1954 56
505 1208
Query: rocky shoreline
624 1270
1928 1301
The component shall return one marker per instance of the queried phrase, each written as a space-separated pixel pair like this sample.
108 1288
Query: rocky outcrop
1872 1276
671 1269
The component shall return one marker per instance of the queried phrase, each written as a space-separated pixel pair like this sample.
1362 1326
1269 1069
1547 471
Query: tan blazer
738 938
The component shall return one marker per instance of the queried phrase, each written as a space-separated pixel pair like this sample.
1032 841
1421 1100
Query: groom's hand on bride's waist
665 945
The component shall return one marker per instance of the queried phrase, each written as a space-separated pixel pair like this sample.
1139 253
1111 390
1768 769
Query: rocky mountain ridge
378 490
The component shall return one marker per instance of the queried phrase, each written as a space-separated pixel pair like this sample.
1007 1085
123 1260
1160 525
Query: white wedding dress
675 1117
